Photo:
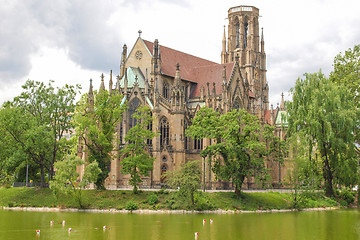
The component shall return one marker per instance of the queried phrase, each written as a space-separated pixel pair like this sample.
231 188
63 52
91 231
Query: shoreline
149 211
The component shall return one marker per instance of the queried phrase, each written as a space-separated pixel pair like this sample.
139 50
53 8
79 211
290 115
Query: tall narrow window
198 144
164 132
237 29
166 90
134 104
185 137
245 33
149 141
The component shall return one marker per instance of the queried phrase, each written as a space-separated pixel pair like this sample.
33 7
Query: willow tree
96 118
241 144
137 161
347 73
323 115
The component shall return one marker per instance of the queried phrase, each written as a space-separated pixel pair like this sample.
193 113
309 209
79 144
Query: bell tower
243 42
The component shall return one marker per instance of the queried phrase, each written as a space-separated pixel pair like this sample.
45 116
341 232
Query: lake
319 225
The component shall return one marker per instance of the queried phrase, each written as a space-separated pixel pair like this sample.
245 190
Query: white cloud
71 41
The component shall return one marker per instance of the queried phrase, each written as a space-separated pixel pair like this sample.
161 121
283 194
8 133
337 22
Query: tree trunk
329 192
42 183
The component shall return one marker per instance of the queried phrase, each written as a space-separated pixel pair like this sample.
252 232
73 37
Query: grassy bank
33 197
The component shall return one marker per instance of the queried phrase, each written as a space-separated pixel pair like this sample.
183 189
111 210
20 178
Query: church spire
123 60
177 75
91 95
262 41
110 83
102 84
223 52
282 103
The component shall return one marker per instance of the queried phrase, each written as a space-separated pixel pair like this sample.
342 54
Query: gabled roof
170 57
193 69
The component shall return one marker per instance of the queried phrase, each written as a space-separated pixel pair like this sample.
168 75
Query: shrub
346 195
153 199
131 205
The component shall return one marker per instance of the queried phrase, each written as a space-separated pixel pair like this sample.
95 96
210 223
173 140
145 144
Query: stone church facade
175 85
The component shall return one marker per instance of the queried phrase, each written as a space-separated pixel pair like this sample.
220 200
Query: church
175 85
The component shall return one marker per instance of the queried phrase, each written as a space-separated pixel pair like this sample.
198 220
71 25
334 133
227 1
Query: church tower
244 43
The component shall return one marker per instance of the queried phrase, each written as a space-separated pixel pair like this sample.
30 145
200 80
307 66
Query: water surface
322 225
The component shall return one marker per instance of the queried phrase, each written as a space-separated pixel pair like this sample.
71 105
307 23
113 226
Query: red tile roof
193 69
211 74
170 57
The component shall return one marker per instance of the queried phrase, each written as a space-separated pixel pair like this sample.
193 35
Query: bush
131 205
203 202
153 199
346 195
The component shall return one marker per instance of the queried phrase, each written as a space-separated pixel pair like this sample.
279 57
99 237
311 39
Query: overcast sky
71 41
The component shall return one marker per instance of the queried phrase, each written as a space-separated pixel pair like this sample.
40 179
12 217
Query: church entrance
163 170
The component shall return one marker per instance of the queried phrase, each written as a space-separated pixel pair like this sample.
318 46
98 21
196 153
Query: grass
34 197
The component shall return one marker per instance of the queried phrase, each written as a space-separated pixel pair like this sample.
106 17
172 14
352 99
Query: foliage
241 144
137 161
96 118
347 71
34 125
131 205
322 115
347 195
186 179
153 199
67 180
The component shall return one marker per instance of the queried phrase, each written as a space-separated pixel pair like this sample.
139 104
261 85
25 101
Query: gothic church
175 85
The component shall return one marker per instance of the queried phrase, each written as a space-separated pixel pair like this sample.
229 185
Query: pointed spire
102 84
123 60
91 95
110 83
282 103
224 75
91 88
262 41
224 41
214 89
208 89
177 75
117 87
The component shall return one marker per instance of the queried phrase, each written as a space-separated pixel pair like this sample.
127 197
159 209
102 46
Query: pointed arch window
166 90
164 132
134 104
236 104
246 26
237 29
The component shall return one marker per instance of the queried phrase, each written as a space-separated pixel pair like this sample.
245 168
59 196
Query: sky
71 41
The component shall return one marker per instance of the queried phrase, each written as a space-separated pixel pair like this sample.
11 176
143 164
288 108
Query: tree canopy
323 116
241 144
34 125
137 161
96 119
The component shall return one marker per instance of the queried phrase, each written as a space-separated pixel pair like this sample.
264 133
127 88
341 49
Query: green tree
187 179
323 116
347 73
96 119
137 161
37 121
67 181
241 144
